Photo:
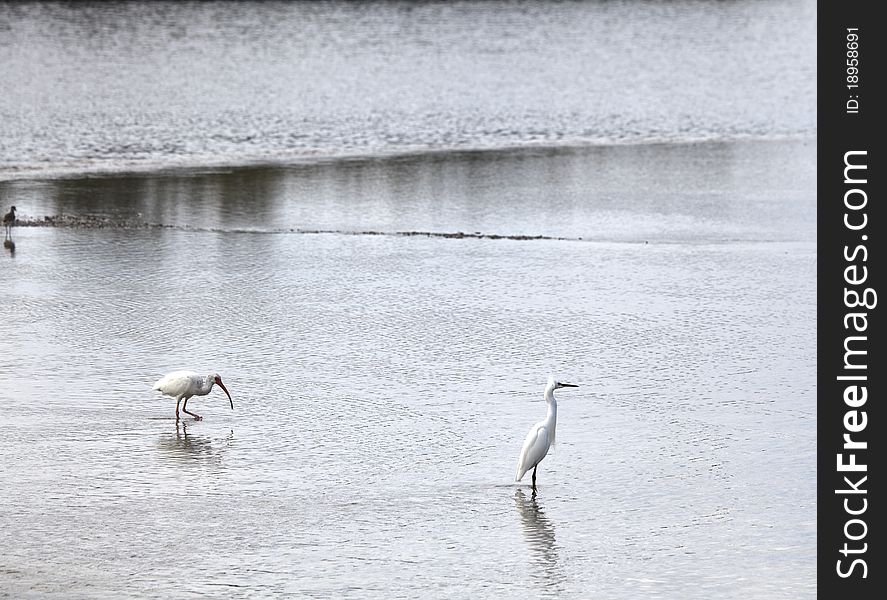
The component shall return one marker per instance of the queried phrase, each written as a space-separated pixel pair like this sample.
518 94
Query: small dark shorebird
9 221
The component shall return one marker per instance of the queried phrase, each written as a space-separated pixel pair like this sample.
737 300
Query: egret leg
534 478
185 408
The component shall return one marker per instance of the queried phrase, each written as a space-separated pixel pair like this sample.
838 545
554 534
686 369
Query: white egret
184 384
541 435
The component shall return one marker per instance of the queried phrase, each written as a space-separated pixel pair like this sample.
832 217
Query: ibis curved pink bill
181 385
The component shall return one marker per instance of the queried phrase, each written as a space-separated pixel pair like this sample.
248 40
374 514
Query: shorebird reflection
539 532
188 446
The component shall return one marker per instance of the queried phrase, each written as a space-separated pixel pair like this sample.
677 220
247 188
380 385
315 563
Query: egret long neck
551 417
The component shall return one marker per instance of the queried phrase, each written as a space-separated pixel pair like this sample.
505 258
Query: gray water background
383 382
113 86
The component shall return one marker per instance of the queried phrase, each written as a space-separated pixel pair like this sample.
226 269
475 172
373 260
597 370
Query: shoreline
717 191
92 222
66 221
199 167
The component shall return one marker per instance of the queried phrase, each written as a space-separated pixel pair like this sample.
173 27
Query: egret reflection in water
545 566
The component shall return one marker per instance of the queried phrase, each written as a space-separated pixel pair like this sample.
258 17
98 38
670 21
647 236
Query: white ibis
184 384
541 435
9 221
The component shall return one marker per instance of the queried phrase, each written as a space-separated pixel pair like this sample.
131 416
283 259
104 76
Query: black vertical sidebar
850 333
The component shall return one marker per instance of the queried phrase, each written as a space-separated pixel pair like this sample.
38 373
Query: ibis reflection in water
190 445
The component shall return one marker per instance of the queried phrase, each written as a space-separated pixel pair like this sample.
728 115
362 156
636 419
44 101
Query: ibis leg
179 401
185 408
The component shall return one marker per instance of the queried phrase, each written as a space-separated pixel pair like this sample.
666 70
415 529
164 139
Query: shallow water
383 384
383 327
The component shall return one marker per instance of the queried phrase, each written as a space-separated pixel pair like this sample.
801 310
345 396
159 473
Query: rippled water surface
105 86
383 383
385 224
